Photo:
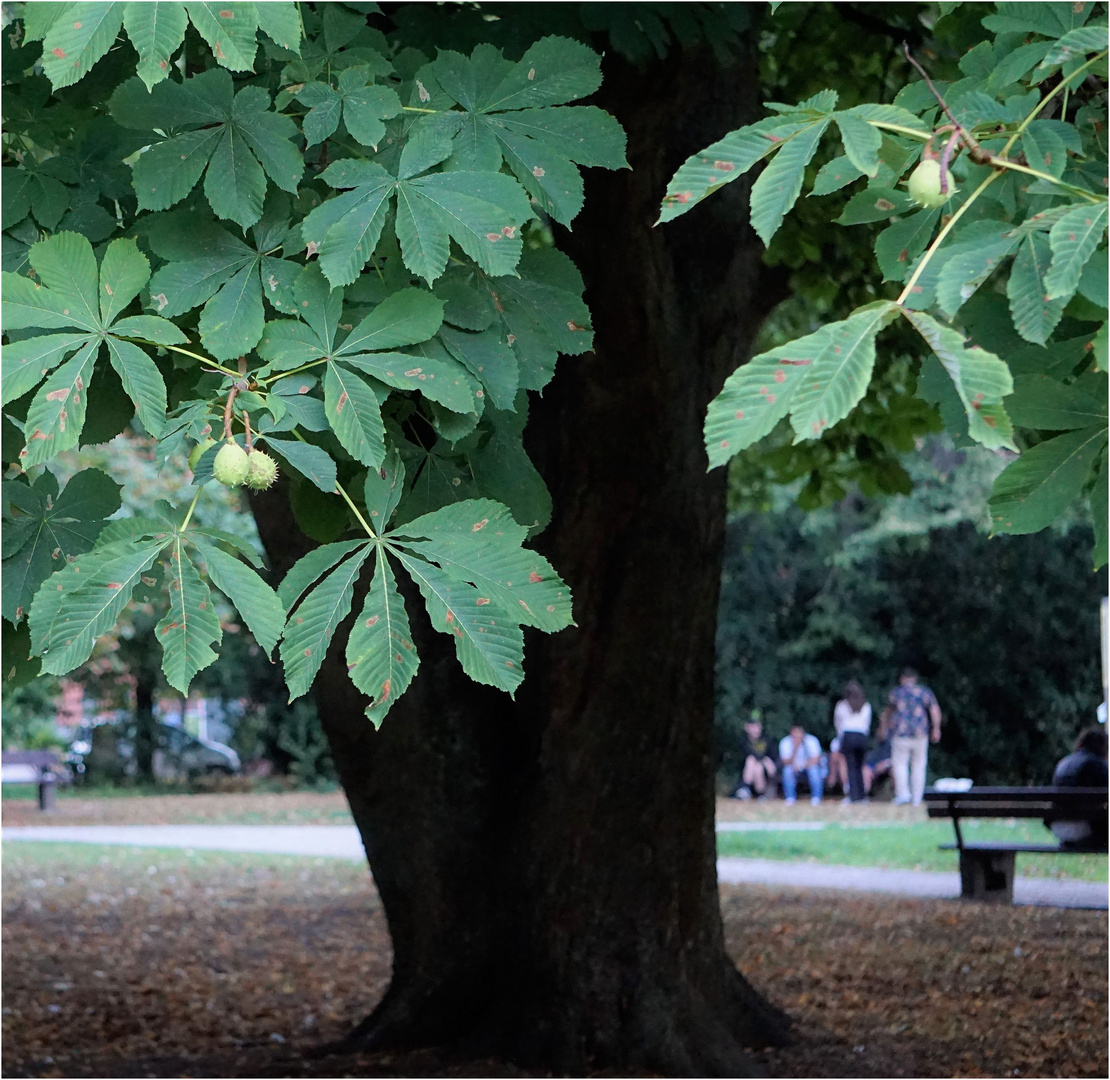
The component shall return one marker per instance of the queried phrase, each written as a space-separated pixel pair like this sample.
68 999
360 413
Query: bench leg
987 876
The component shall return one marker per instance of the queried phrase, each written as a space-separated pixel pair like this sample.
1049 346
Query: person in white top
852 719
800 752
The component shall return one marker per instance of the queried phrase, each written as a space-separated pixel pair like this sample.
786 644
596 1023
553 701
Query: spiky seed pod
924 185
262 472
231 465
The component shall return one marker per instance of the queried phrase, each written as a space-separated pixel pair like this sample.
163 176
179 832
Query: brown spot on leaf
478 525
59 54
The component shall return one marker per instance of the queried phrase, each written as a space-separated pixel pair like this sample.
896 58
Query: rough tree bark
548 866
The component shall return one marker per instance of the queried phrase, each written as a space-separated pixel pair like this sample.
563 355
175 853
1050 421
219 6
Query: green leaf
504 472
963 273
84 599
874 204
1039 486
1099 514
840 373
478 541
253 598
980 378
143 382
488 643
314 622
1093 283
190 627
1078 42
383 489
235 184
310 461
123 273
834 175
1073 239
66 265
381 658
157 31
443 381
27 362
41 535
311 567
149 328
725 161
779 185
1013 66
861 141
168 171
406 317
233 320
898 246
78 39
354 414
229 29
828 364
1048 405
481 212
1034 317
345 230
281 23
490 359
325 109
29 304
57 413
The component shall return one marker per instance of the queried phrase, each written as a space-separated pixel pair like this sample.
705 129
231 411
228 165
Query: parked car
177 754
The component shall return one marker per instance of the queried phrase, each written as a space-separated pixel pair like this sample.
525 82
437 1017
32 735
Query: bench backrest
1052 803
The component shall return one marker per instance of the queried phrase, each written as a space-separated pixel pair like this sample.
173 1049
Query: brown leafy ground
130 962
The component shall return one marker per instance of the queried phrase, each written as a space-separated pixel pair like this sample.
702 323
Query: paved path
342 841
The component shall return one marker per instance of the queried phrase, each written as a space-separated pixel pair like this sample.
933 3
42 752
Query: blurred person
852 719
1085 767
912 719
760 770
876 765
837 775
800 752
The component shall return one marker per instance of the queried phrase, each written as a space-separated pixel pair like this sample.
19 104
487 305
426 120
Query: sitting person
760 769
876 765
800 752
1086 767
838 769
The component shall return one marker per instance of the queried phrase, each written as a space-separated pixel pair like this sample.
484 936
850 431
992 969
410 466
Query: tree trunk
548 866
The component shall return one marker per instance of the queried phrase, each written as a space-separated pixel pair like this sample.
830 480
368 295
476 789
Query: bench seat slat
986 845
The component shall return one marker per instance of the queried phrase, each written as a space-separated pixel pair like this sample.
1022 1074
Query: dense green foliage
1004 630
347 223
281 223
1003 276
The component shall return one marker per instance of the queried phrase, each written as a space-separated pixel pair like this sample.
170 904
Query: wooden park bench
31 767
987 867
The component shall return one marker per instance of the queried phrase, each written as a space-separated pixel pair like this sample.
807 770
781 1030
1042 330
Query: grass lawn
907 845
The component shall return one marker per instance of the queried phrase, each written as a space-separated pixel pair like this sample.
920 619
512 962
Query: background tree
546 862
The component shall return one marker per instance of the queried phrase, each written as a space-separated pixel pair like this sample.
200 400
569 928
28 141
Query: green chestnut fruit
199 451
924 185
231 465
262 470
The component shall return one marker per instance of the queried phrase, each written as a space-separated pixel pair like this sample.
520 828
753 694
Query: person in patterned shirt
911 719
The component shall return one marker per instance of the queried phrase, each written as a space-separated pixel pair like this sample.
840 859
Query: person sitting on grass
759 763
800 752
1085 767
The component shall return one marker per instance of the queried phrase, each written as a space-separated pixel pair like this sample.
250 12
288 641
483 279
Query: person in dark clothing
852 719
1085 767
760 770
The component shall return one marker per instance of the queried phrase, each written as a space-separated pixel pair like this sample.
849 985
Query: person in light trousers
912 719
